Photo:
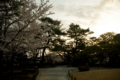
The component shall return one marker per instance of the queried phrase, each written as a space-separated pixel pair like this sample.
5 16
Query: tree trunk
1 54
35 58
42 61
12 66
68 57
62 57
47 57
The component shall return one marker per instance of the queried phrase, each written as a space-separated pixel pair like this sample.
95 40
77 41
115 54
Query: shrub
80 59
84 68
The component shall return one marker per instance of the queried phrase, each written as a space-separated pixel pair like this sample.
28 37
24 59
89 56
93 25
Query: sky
100 16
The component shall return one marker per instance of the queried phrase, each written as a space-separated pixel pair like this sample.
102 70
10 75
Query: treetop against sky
99 15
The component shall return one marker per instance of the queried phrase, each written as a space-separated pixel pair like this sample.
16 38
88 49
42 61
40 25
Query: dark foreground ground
59 72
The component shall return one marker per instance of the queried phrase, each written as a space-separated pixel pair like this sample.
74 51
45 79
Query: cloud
93 13
58 8
90 13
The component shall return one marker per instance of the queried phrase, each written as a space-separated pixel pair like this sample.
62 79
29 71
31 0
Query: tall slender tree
79 35
55 31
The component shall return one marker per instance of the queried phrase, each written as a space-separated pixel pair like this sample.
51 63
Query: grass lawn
109 74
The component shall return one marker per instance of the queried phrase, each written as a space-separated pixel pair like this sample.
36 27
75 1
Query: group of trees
67 51
19 25
104 49
25 27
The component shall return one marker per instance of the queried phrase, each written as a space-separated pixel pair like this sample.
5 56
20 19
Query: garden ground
59 72
104 74
56 73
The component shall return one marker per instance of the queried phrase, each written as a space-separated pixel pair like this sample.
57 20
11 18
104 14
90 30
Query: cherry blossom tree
14 26
29 13
19 30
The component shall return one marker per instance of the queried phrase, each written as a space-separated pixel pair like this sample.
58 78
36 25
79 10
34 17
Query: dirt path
57 73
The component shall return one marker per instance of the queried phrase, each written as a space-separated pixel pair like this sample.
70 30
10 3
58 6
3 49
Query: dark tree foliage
55 32
8 10
106 51
79 35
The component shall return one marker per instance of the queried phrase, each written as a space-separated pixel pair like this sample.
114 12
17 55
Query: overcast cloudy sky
99 15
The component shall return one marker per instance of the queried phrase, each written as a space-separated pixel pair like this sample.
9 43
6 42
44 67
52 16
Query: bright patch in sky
100 16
